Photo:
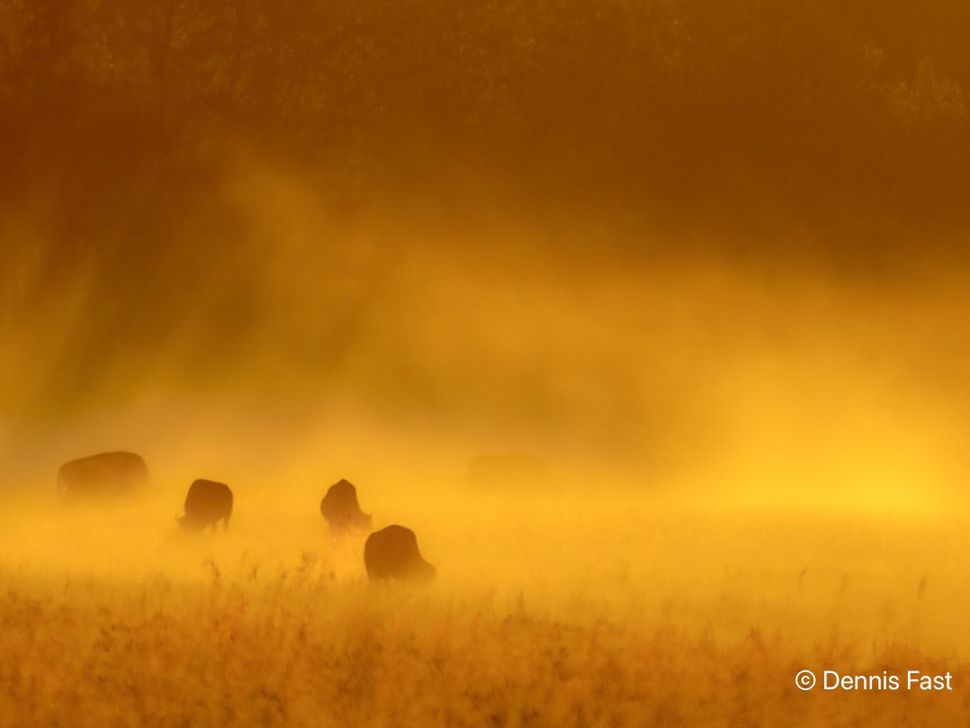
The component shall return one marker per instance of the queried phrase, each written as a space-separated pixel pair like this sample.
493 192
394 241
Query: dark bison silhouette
108 474
342 510
392 553
207 503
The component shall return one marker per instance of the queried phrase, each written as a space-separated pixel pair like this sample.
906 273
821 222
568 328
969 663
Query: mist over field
648 317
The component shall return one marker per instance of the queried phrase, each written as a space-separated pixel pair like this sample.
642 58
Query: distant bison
342 510
207 503
392 553
108 474
509 469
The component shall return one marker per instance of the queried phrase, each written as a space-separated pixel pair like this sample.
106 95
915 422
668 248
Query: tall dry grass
612 615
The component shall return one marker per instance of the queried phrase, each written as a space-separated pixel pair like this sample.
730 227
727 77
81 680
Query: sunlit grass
621 613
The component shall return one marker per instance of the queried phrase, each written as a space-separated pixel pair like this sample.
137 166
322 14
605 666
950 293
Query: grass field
625 613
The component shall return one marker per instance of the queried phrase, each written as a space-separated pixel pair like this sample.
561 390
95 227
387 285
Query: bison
342 510
207 503
509 470
108 474
392 554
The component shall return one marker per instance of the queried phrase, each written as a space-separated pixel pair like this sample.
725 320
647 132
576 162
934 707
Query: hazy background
702 265
713 250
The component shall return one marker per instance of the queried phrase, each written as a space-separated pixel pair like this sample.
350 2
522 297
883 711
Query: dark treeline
843 121
677 102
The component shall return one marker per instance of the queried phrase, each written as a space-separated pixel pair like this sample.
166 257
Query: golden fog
647 317
310 350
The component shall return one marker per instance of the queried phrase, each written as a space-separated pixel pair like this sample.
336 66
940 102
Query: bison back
106 474
341 508
207 503
392 553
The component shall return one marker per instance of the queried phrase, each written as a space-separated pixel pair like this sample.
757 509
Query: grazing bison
341 509
108 474
392 553
207 503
